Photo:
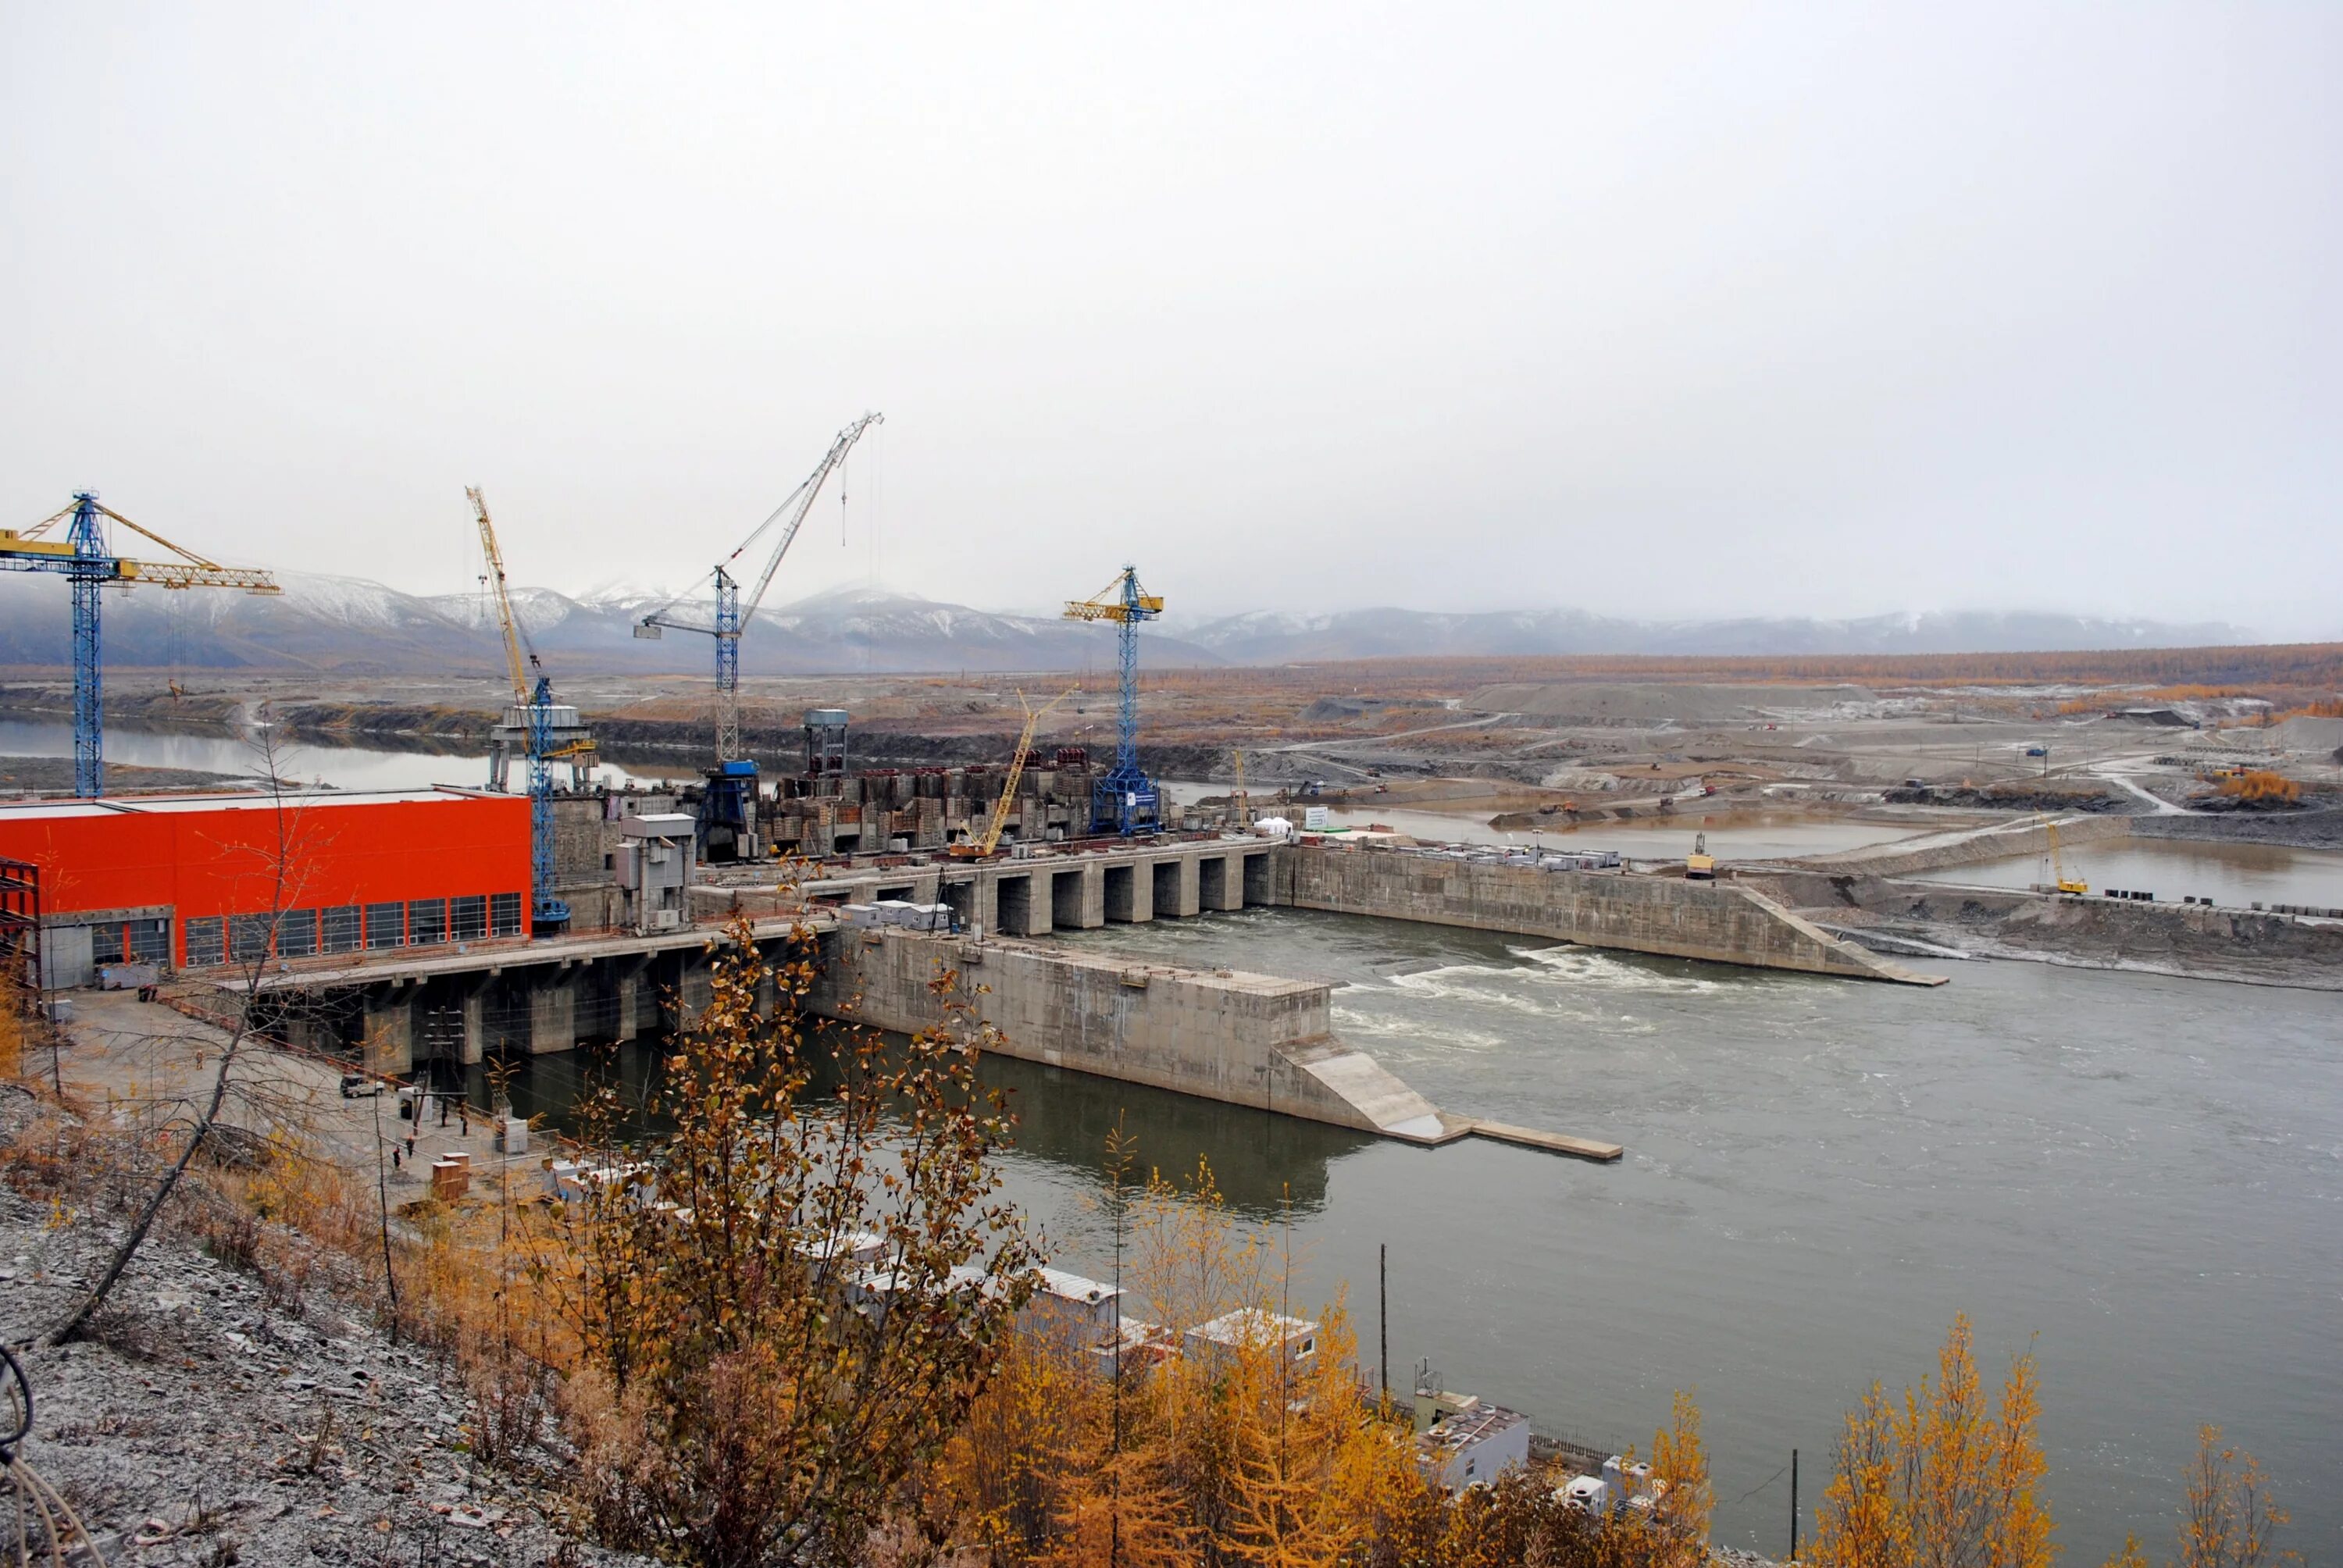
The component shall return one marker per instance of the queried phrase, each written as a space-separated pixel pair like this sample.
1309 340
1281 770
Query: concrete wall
1244 1039
1717 921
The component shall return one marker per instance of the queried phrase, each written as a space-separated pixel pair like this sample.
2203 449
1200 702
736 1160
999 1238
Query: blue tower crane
1126 801
85 558
727 808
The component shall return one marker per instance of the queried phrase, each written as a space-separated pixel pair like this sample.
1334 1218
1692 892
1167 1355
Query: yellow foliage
2260 784
1940 1480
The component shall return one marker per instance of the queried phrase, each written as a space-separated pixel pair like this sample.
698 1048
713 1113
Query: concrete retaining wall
1717 921
1244 1039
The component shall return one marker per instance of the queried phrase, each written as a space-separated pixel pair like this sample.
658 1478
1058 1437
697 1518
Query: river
2141 1178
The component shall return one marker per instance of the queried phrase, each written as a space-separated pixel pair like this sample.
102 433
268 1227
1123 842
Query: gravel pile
206 1425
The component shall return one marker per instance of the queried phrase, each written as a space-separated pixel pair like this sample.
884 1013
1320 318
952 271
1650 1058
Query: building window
340 934
206 942
427 921
504 915
150 942
385 925
1308 1346
106 943
247 937
296 933
467 918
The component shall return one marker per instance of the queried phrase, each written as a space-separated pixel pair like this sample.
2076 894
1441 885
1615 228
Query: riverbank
220 1414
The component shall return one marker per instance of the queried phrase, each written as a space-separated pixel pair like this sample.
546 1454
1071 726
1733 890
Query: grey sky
1659 310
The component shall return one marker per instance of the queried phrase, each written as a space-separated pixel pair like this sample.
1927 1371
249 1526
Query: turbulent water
2139 1178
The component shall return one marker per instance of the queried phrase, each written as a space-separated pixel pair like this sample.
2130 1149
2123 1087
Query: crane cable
34 1495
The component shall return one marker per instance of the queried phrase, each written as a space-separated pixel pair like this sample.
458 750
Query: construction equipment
87 559
1126 799
724 807
2058 877
1243 802
985 845
1700 866
547 731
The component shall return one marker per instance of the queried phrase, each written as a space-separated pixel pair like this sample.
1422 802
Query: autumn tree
1939 1480
792 1299
2229 1520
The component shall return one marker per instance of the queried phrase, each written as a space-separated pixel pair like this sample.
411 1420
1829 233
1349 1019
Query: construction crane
538 718
724 808
985 845
1126 799
85 558
2058 877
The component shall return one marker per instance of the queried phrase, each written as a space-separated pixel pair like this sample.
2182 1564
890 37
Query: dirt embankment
2319 828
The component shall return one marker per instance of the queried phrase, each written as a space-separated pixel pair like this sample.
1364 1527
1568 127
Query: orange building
196 880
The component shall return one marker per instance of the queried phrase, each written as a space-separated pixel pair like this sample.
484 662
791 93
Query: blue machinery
1126 801
726 822
87 561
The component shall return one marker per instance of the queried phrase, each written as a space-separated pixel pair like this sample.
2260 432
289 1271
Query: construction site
546 907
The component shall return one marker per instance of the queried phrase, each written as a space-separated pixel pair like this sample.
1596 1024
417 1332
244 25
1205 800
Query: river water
2141 1178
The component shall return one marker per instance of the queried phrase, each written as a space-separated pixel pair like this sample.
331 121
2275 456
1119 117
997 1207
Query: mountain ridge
354 626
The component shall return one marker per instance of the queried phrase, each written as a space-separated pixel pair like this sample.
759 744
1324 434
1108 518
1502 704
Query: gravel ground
206 1425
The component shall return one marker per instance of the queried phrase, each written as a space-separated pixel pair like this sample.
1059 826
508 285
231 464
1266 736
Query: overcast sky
1657 310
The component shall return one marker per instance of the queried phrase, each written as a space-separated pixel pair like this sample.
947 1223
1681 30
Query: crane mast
732 611
87 561
536 707
728 801
1126 801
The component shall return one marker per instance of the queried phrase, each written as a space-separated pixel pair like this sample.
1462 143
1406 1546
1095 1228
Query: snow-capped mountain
356 626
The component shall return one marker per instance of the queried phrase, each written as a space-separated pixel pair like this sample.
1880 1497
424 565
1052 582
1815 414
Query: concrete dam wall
1244 1039
1716 921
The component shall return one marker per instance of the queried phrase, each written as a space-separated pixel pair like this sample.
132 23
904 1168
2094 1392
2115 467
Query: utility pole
1794 1505
1383 1316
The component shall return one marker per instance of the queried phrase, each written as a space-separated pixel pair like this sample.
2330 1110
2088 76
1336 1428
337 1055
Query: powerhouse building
196 881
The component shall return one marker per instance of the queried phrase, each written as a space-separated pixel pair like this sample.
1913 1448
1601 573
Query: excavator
985 848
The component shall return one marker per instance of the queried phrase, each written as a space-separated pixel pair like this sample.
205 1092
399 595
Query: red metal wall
223 860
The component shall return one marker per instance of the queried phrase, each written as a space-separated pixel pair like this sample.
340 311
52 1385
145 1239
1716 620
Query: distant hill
353 627
1278 638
